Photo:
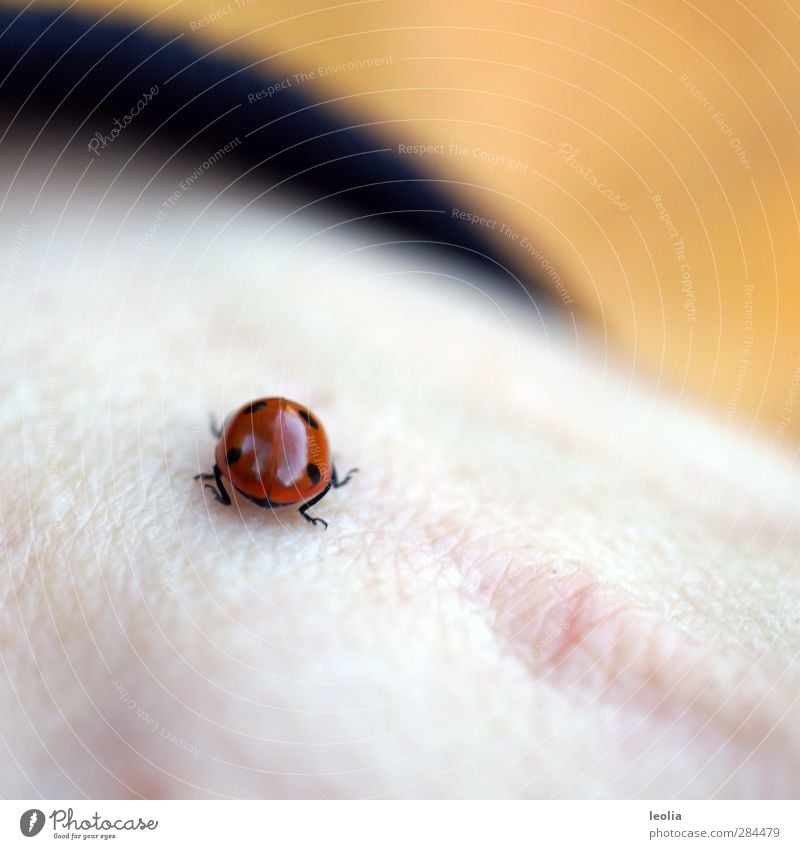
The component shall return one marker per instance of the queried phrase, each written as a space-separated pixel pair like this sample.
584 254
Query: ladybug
274 452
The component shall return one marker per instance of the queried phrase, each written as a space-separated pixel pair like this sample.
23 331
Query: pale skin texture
544 581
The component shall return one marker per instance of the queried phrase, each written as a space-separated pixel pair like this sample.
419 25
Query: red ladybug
274 452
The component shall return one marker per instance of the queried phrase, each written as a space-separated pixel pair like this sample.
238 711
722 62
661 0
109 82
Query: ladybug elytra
275 453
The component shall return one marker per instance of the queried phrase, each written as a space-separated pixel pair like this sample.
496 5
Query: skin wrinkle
592 643
776 788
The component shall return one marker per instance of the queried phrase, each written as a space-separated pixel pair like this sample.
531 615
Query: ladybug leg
219 493
336 483
221 496
212 423
315 520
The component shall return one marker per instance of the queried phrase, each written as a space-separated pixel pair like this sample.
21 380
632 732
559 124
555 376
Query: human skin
548 579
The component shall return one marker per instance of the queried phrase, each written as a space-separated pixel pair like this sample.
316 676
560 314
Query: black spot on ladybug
233 455
254 408
308 419
312 469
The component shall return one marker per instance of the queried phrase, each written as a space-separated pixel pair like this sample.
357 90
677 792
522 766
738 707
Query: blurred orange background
639 159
